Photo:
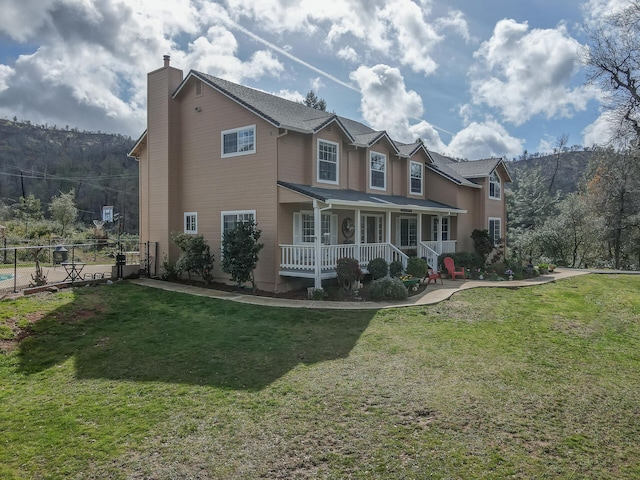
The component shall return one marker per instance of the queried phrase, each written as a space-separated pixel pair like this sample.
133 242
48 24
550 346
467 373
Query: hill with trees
44 162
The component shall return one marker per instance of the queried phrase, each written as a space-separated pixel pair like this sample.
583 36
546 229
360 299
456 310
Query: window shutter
297 228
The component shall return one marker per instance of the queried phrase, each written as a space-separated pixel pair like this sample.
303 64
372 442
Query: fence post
15 270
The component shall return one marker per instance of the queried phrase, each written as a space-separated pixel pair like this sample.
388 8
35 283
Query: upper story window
191 222
415 178
495 187
239 141
378 171
327 161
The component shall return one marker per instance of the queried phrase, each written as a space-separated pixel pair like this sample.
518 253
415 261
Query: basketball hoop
98 224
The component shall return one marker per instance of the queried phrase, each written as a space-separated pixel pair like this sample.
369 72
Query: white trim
410 218
421 192
329 142
499 183
241 152
384 170
236 213
298 227
491 234
192 231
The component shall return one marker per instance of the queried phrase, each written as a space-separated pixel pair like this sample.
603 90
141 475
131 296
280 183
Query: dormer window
495 187
327 162
238 141
377 171
415 178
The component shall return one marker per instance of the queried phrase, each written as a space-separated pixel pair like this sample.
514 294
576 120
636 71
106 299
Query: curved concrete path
430 296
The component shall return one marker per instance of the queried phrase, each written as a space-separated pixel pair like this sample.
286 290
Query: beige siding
293 158
209 184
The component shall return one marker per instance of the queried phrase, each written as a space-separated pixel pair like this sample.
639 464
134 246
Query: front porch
301 260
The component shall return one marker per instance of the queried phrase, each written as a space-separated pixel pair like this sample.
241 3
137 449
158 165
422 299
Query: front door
371 231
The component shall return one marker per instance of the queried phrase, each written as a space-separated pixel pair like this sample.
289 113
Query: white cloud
457 22
484 140
383 86
429 135
90 67
348 53
289 95
523 73
5 75
599 132
595 10
217 54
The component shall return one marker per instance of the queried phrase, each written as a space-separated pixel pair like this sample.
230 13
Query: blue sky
473 79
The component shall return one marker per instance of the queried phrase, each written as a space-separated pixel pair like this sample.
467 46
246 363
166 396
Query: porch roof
357 199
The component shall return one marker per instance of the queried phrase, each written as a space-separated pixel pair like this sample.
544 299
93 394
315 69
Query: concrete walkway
432 295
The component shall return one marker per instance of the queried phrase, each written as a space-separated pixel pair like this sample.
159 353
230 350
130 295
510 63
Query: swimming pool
6 276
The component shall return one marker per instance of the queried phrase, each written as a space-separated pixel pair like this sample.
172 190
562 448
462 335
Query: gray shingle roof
335 195
285 113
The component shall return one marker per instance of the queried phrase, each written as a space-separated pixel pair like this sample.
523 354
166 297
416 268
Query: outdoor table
73 269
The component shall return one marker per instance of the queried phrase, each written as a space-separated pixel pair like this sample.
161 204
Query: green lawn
123 381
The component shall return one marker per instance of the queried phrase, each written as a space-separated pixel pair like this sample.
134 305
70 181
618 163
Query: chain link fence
33 266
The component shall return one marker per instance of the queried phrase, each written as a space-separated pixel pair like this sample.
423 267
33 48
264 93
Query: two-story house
319 186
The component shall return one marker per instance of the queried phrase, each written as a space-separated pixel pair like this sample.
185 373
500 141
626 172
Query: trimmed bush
396 268
387 288
348 272
417 267
378 268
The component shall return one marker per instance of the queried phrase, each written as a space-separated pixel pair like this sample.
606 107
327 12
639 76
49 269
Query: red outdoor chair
432 275
452 270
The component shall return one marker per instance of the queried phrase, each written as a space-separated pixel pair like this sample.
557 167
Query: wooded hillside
44 161
571 166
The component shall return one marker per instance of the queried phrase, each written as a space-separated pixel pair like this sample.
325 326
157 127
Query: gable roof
291 115
463 173
479 168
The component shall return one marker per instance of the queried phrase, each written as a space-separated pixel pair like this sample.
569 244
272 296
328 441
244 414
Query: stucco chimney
166 59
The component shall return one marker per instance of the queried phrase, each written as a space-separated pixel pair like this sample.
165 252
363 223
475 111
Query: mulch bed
334 293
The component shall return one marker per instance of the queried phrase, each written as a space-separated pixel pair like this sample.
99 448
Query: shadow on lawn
126 332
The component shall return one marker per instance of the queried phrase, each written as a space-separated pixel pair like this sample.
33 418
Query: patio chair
432 275
452 270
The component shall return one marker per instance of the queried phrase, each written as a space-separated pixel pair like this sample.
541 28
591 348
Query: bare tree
561 147
612 57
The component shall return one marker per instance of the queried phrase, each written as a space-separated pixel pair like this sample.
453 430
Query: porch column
317 230
439 234
358 234
419 233
388 233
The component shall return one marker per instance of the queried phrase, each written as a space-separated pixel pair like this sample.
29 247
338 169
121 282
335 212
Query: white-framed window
328 155
191 222
304 228
377 171
495 229
445 229
415 177
238 141
229 219
495 186
371 228
407 232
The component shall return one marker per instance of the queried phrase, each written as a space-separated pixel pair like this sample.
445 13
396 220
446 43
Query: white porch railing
302 258
446 246
425 251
